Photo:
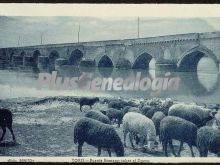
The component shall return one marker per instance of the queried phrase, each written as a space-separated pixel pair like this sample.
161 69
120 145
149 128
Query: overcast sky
65 29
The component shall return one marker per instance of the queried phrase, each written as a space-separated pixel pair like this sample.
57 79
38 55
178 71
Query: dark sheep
165 106
193 113
130 109
98 116
105 101
115 114
208 139
87 101
157 104
172 127
120 104
125 109
151 112
144 109
187 115
6 121
97 134
157 117
132 104
103 112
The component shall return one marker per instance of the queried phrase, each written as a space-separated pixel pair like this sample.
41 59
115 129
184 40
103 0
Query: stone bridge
181 52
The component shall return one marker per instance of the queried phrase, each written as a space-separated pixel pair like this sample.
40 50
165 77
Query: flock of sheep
192 124
188 123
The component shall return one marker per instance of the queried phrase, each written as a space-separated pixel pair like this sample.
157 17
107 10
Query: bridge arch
105 61
4 54
142 61
75 57
190 59
52 57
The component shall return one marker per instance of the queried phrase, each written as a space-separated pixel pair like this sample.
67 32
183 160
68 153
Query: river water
57 118
201 86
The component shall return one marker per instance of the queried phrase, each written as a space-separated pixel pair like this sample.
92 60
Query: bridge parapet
166 50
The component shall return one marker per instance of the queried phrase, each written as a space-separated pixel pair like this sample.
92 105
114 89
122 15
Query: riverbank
44 127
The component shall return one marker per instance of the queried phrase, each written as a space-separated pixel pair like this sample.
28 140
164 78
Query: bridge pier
166 66
218 67
3 62
87 63
42 62
17 60
28 61
59 62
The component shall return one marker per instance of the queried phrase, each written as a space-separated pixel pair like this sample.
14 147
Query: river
201 86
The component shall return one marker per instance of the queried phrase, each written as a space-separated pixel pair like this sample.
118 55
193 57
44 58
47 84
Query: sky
65 29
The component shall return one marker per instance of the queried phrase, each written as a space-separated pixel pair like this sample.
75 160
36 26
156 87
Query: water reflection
208 80
191 83
152 73
69 71
200 84
105 71
87 69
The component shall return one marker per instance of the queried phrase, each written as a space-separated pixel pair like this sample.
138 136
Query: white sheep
137 124
215 122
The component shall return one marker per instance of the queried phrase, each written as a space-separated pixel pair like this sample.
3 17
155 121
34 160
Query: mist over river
201 86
